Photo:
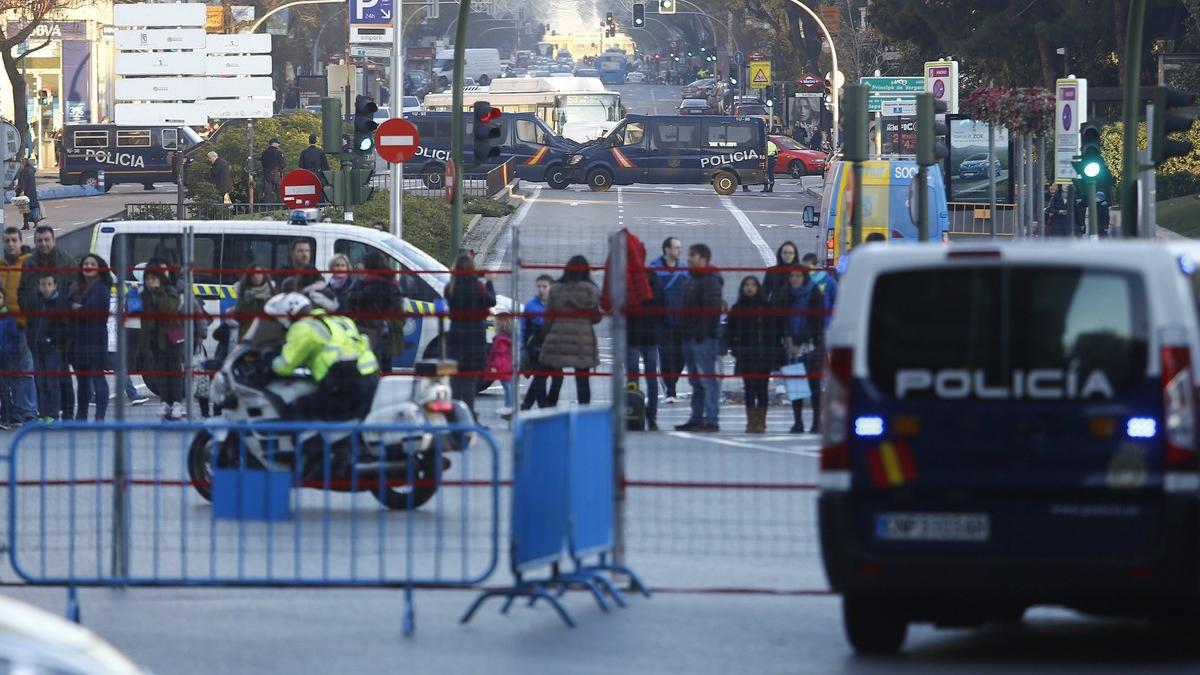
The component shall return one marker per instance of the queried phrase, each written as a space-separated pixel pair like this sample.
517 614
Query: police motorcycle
382 463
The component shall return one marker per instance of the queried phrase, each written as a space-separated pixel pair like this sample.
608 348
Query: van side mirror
810 216
615 141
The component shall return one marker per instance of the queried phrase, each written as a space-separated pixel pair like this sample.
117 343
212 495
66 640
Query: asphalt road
65 215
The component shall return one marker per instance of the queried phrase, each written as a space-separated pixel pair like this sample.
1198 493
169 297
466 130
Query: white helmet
287 307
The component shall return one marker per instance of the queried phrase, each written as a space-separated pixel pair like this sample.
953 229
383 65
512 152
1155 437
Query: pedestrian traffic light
931 146
331 125
1166 121
666 6
486 132
364 124
639 15
1090 165
855 104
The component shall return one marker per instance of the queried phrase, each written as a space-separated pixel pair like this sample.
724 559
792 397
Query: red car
797 160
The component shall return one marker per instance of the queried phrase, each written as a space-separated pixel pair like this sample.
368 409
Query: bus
578 108
613 66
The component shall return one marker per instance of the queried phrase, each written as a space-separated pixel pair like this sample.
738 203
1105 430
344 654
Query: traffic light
855 104
364 125
1166 122
1091 165
931 146
331 125
486 131
639 15
360 185
608 19
666 6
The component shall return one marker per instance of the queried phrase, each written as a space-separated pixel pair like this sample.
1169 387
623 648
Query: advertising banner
899 136
76 74
968 161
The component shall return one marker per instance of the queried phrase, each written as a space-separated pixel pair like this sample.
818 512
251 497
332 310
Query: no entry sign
396 141
300 189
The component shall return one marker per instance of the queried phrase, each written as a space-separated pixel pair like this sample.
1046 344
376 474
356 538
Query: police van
1007 426
223 248
524 137
122 154
665 149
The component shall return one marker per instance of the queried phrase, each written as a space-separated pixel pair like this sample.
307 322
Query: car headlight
574 159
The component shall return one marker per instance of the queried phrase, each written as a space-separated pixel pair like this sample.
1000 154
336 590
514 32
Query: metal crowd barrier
969 220
563 495
118 504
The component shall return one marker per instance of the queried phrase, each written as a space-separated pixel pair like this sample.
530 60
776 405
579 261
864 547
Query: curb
815 194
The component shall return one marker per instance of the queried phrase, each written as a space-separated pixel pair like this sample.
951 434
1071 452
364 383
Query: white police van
1007 426
224 247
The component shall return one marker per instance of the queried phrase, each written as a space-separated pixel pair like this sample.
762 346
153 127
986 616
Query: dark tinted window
270 251
413 286
168 248
91 139
730 135
1002 320
677 135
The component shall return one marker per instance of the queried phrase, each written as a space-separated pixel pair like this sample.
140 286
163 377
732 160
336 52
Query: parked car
695 106
587 72
701 88
975 166
635 78
797 160
411 104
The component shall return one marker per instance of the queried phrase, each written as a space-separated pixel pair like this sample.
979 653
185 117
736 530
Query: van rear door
1012 408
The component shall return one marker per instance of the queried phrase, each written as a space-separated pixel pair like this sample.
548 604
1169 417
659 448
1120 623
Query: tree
27 15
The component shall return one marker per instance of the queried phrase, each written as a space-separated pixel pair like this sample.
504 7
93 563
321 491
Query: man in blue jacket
672 273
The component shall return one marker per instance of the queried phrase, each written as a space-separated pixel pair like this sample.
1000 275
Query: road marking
518 217
681 206
750 231
738 444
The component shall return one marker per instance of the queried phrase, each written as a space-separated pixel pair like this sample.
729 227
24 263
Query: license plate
973 527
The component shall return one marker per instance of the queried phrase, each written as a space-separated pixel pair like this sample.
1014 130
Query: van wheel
873 626
797 169
599 180
484 80
556 178
434 177
89 179
725 183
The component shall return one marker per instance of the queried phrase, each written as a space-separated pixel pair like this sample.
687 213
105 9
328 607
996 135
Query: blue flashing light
869 426
1141 427
1187 265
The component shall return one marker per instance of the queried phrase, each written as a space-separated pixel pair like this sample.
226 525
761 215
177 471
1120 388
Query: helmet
286 307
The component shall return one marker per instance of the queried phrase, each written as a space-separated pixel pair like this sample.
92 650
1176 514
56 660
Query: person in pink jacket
500 360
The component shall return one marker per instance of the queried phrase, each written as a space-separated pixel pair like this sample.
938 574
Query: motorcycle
248 392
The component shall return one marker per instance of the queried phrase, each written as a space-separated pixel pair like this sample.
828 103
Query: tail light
1179 412
829 249
835 419
439 406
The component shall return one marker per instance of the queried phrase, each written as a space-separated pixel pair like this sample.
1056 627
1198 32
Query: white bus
579 108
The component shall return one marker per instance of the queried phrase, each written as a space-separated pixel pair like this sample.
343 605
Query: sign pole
991 180
457 125
396 176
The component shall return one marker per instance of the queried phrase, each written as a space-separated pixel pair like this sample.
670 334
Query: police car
665 149
1008 426
122 154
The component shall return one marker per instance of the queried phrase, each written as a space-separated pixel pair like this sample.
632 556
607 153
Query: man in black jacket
701 338
27 186
272 164
313 158
220 175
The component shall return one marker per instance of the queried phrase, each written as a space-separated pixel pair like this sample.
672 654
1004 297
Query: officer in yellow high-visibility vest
339 357
772 152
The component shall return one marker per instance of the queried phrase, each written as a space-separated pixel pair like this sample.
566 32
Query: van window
412 285
168 248
730 135
91 139
633 133
133 138
678 135
170 139
529 132
1001 320
271 251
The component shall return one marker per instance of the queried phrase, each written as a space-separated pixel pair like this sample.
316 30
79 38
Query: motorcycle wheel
199 464
397 498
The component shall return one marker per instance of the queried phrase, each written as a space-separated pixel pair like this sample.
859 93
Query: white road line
750 231
502 246
738 444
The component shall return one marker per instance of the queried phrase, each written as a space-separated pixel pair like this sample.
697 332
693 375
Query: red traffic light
485 112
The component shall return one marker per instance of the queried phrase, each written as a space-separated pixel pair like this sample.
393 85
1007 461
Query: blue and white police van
1007 426
539 154
122 154
670 149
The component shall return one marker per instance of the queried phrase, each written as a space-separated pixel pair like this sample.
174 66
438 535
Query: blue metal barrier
80 513
562 508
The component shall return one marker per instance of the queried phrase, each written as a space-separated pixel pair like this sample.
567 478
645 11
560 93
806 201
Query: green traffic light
365 144
1091 169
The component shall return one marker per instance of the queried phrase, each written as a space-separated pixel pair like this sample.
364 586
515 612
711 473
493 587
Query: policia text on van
122 154
723 151
524 137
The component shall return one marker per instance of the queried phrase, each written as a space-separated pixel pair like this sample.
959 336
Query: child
754 338
48 342
16 389
499 360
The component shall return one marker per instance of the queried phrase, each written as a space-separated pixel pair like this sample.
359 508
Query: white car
635 78
411 104
33 640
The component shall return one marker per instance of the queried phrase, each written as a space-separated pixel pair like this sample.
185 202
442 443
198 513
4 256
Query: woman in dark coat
804 337
755 340
787 256
468 300
89 297
162 341
573 309
377 306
